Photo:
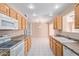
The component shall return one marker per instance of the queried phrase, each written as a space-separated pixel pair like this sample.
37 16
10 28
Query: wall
68 22
39 30
51 31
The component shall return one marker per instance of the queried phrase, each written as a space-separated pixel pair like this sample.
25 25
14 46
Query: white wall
51 30
68 22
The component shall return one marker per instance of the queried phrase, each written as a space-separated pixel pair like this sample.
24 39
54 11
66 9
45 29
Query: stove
9 44
11 47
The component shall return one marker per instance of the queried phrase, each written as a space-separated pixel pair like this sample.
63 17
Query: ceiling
41 10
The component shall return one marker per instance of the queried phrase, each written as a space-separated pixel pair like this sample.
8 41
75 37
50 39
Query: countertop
69 43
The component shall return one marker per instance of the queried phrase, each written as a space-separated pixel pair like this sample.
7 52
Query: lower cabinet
54 47
59 50
27 45
57 47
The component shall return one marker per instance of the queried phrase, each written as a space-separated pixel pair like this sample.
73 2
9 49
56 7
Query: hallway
40 47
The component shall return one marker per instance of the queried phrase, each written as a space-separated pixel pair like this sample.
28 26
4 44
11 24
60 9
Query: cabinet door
54 47
4 9
55 23
77 16
59 49
59 22
23 23
12 13
19 21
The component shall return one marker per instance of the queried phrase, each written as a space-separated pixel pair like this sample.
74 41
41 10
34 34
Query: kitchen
53 31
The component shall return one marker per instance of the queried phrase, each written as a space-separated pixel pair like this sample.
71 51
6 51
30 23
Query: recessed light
56 7
31 6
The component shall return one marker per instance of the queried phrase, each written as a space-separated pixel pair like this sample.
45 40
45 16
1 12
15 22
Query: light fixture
31 6
57 6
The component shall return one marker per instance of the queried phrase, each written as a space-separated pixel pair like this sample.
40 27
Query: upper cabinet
12 13
23 23
77 16
4 9
58 23
19 20
55 23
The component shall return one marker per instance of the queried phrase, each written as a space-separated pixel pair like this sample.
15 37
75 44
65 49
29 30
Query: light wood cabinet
13 13
23 23
77 16
54 47
19 21
58 23
27 45
55 23
4 9
57 47
7 10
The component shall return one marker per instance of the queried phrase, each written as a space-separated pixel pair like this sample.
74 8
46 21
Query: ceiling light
31 6
34 14
56 7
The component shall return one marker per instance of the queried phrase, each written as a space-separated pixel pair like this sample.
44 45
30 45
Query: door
39 30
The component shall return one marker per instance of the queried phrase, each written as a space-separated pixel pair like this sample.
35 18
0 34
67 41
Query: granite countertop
69 43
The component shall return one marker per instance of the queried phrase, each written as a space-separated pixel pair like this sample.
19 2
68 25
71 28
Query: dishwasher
68 52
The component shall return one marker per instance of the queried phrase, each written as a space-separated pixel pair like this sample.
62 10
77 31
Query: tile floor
40 47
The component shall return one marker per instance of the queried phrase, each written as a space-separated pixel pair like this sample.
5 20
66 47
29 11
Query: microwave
7 22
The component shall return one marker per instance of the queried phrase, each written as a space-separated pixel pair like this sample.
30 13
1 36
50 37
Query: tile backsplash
12 33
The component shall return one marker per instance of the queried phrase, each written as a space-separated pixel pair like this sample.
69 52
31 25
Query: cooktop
9 44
